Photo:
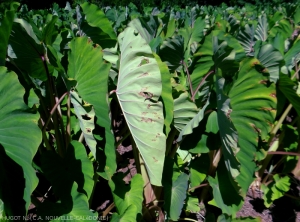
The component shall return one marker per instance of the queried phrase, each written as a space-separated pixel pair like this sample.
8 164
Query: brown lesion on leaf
255 63
88 130
155 160
144 113
273 95
146 95
255 128
144 61
143 75
267 109
265 82
147 120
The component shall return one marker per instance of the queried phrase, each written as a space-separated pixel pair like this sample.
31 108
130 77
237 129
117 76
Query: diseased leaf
138 90
92 81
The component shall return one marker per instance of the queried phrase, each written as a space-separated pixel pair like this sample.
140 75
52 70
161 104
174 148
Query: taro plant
199 95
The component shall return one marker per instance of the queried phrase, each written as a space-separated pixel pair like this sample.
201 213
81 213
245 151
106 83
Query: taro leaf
276 189
138 90
192 35
127 198
74 208
290 144
86 116
19 141
62 172
166 94
261 32
49 32
177 194
225 194
205 137
5 28
184 111
146 26
26 53
283 26
92 87
292 56
246 38
271 59
192 204
228 133
288 87
96 18
172 52
199 169
188 128
97 26
253 103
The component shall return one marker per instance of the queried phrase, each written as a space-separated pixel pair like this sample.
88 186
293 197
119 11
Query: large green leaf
225 195
62 172
26 51
139 87
5 27
126 196
91 85
96 18
97 26
253 103
19 141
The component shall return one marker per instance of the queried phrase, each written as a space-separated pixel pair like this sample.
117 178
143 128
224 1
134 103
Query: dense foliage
201 94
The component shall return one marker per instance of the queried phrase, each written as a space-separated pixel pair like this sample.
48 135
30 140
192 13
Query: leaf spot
147 120
273 95
144 74
255 128
88 130
155 160
144 61
263 82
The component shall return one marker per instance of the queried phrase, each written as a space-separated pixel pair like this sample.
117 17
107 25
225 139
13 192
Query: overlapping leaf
92 87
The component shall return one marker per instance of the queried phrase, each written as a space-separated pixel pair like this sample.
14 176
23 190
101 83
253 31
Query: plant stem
199 186
280 121
189 77
68 127
108 209
283 153
200 84
170 140
53 110
51 86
